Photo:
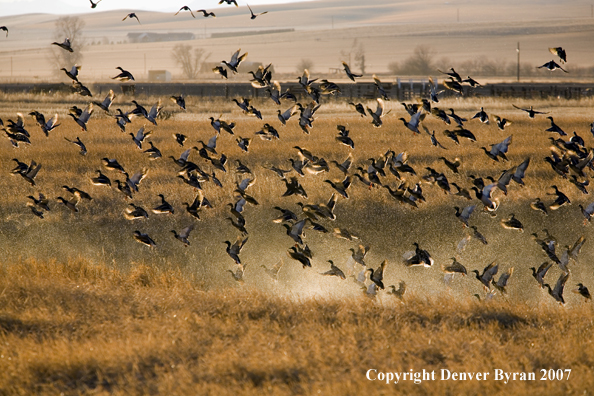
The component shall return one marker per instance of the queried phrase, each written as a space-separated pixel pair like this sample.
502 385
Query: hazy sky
12 7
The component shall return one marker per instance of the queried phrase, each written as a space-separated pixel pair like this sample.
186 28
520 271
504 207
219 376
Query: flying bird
65 45
464 214
124 75
183 235
30 173
552 66
453 74
236 59
94 5
377 114
482 116
512 223
84 117
531 112
145 239
131 15
349 73
419 257
413 124
179 100
498 150
220 70
79 144
377 275
185 8
72 73
557 292
207 14
334 271
5 29
252 12
540 273
487 276
80 89
583 291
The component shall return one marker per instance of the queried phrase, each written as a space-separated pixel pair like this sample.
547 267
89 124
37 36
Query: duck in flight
5 29
94 5
453 74
144 239
185 8
125 75
349 73
487 276
183 235
79 144
531 112
236 59
132 15
207 14
583 291
551 66
65 45
334 271
254 16
557 292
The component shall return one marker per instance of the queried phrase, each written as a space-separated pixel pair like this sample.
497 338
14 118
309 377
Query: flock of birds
569 159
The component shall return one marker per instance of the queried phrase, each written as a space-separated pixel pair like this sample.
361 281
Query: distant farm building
159 76
158 37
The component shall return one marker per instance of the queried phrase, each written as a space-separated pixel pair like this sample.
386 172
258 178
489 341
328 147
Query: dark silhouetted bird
131 15
349 73
65 45
185 8
254 16
552 66
124 75
334 271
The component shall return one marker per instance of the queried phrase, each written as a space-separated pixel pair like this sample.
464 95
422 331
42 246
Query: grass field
109 315
76 328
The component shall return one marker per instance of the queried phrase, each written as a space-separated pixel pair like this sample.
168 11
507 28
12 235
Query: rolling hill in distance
323 31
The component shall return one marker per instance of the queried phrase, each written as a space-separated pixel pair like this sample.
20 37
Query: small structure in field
159 76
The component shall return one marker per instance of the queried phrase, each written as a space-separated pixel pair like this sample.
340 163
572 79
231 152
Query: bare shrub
189 61
421 62
304 64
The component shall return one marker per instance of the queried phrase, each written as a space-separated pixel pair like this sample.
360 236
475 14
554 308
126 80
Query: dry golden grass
86 309
76 328
100 233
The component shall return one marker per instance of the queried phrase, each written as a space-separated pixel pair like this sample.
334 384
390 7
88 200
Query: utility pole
518 51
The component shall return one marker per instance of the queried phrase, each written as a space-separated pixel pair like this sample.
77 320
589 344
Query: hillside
324 31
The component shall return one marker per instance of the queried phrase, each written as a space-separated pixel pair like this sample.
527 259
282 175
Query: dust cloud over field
100 234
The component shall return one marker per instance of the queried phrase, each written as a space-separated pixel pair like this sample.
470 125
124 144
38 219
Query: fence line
401 89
